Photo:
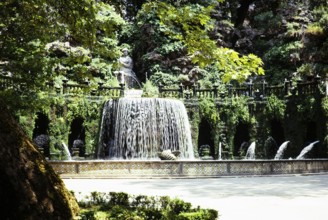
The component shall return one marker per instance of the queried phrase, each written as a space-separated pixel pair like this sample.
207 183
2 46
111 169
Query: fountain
250 154
140 128
220 151
281 150
134 132
306 150
66 151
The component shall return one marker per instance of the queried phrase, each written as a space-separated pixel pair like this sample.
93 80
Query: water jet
306 150
281 150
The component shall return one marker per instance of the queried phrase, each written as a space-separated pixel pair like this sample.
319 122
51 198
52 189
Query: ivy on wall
275 107
324 104
61 112
223 118
233 112
208 111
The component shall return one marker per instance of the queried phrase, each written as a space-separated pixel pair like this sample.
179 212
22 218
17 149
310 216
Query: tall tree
29 187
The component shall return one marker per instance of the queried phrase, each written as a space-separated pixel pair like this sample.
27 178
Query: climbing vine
208 111
275 107
61 112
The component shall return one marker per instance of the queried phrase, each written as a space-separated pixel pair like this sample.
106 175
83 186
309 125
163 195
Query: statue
125 73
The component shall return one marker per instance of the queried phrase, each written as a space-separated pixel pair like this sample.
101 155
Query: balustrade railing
11 83
67 88
75 89
258 90
172 92
110 91
307 88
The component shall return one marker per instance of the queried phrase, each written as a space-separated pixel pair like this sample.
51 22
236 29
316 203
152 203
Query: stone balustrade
258 90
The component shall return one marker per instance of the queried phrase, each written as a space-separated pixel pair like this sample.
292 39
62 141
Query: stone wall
186 169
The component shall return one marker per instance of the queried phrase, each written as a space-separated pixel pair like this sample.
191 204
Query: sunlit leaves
190 25
107 19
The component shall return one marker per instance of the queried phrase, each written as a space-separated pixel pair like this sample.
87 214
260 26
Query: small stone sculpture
42 141
169 155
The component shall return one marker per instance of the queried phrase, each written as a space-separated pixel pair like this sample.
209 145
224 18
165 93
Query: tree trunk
29 187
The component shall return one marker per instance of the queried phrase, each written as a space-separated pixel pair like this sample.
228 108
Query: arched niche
205 138
41 125
311 132
40 133
76 137
277 131
310 137
276 138
241 139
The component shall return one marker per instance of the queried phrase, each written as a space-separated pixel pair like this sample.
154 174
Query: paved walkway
246 198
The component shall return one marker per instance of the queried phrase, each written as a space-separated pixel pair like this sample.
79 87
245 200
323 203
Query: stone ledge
186 169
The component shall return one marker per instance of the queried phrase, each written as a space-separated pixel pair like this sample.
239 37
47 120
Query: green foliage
119 205
275 107
27 124
178 206
177 36
168 48
294 29
314 29
44 40
62 60
165 79
324 105
120 198
199 215
96 60
190 25
282 52
307 108
236 67
207 109
237 111
320 14
149 90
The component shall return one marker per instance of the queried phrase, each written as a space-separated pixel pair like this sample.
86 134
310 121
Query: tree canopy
222 41
41 40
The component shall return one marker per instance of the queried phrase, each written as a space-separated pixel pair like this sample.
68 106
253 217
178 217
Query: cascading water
281 150
139 128
250 154
306 150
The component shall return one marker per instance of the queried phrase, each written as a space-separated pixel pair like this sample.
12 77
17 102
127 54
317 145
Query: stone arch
276 138
241 139
205 137
311 131
41 125
277 131
76 137
40 133
311 135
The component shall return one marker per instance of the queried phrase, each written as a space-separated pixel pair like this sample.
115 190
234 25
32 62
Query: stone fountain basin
185 168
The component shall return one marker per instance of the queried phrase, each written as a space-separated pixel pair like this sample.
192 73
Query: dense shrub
121 206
